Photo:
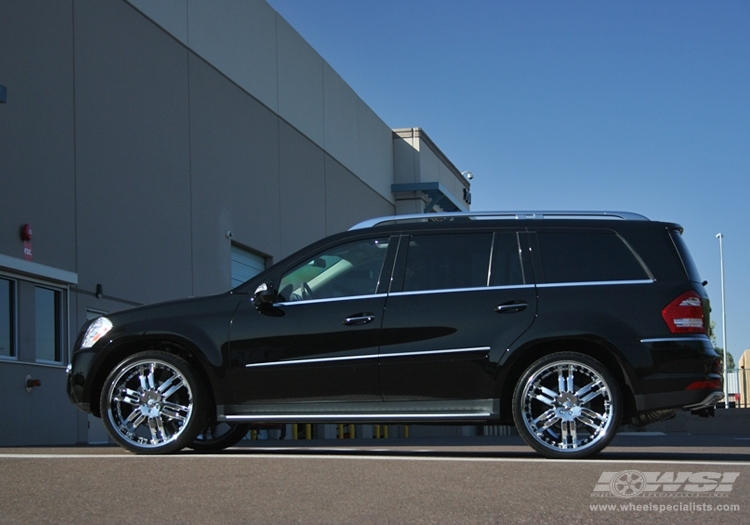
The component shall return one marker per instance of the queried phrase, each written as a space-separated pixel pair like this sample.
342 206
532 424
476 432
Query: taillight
684 315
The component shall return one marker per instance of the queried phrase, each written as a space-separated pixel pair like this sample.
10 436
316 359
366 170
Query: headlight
96 331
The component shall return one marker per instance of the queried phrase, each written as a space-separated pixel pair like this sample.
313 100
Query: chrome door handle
359 319
510 308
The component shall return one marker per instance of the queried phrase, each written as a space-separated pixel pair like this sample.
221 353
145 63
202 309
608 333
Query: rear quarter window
687 260
569 257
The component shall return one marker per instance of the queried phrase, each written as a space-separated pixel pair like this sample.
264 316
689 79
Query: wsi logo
632 483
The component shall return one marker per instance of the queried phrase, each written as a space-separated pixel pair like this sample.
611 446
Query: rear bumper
689 399
684 372
712 399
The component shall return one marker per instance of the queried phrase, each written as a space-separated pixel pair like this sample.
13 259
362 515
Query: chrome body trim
368 356
711 400
697 337
380 416
457 290
332 299
595 283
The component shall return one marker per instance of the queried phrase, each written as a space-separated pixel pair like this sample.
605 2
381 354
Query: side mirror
264 296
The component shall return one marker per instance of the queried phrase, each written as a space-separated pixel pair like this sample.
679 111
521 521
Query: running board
328 412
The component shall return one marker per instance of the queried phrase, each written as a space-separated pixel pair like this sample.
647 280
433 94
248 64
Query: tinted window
583 257
6 318
437 262
507 269
346 270
48 336
687 260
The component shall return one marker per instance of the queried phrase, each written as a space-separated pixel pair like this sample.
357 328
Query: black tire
567 405
153 403
219 436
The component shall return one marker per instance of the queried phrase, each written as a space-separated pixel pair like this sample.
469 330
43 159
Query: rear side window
587 256
445 261
687 259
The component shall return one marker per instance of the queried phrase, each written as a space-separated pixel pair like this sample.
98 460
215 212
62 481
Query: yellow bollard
308 431
406 431
351 431
341 431
385 431
377 431
294 430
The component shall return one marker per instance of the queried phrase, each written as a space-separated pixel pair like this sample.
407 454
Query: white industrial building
157 150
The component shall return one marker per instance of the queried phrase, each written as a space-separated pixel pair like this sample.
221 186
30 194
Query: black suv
566 324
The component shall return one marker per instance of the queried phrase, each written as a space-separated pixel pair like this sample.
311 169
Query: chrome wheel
151 403
567 405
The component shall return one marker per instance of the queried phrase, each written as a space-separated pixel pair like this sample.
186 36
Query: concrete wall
132 148
252 45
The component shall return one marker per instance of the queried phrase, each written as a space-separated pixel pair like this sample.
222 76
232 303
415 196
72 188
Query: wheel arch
523 357
158 342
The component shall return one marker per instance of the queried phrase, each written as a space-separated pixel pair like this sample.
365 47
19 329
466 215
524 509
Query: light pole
720 236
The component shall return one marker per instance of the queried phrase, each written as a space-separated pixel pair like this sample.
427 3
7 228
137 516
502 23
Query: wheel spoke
128 396
592 395
154 430
175 411
547 418
589 418
150 377
172 388
135 418
568 432
160 426
593 390
545 400
549 395
142 378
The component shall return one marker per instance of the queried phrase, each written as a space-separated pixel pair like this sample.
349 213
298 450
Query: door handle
359 319
510 308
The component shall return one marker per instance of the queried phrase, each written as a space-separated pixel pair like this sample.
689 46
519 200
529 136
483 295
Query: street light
720 236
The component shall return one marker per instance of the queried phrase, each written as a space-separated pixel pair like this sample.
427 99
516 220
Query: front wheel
567 405
153 403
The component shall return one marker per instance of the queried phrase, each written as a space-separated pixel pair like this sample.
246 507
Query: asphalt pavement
639 478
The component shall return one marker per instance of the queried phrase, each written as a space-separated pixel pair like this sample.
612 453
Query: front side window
587 257
48 324
447 261
7 318
346 270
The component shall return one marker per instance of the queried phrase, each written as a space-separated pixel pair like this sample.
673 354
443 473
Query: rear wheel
153 403
567 405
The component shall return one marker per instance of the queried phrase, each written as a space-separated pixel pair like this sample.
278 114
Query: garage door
245 265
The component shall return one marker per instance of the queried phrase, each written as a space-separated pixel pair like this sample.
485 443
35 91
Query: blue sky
640 106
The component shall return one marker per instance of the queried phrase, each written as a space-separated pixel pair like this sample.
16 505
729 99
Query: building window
7 318
245 265
48 304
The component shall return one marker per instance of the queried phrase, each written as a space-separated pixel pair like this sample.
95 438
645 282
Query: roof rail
488 215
